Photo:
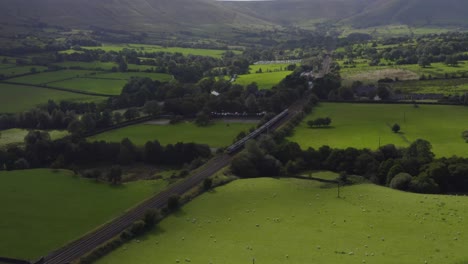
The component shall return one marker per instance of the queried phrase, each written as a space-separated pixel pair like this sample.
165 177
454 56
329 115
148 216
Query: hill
211 16
413 12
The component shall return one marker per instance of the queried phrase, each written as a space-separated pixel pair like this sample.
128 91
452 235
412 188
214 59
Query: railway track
90 241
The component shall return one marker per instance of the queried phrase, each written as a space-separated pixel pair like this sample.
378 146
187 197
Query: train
240 144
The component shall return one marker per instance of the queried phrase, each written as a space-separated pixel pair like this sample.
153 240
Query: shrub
173 202
401 181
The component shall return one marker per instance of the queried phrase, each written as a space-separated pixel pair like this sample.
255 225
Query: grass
371 74
42 209
444 86
264 80
47 77
297 221
16 135
269 67
18 70
219 134
17 98
362 125
156 48
101 86
163 77
88 65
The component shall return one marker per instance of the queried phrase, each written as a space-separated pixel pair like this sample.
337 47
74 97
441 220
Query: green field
88 65
445 86
264 80
268 67
296 221
362 125
371 74
219 134
163 77
17 70
17 98
47 77
16 135
156 48
42 209
94 85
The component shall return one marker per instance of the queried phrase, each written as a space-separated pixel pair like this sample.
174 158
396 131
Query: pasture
364 125
39 204
94 85
268 67
162 77
17 98
18 70
156 48
49 77
371 74
444 86
279 221
218 134
265 80
16 136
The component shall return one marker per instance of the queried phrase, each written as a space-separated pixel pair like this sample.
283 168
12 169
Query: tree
132 113
401 181
424 62
202 119
396 128
115 175
173 203
152 108
451 60
383 92
151 217
207 184
76 128
118 117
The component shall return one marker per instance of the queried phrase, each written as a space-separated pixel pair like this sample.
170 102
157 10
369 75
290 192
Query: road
87 243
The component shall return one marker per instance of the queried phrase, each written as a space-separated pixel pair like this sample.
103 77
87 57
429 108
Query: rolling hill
212 15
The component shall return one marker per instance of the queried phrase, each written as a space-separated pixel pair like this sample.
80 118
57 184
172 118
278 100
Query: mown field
17 98
163 77
371 74
44 209
48 77
156 48
218 134
265 80
362 125
298 221
447 87
16 136
94 85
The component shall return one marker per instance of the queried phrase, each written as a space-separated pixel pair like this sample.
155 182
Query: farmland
219 134
447 87
156 48
94 85
295 221
39 204
17 98
18 70
16 136
48 77
264 80
363 125
128 75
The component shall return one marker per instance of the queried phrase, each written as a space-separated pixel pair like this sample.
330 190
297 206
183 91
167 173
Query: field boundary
59 89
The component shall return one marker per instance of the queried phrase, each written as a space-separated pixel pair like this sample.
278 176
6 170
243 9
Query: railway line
87 243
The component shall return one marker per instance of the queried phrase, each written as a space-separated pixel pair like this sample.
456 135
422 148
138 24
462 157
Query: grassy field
395 30
17 70
264 80
219 134
47 77
296 221
101 86
156 48
445 86
371 74
128 75
17 98
16 135
268 67
361 126
88 65
43 209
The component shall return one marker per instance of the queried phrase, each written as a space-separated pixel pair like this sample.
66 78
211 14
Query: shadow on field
179 213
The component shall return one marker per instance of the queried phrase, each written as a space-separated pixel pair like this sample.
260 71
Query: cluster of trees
40 151
319 122
412 169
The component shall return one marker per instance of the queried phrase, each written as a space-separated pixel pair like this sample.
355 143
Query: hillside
413 12
212 16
